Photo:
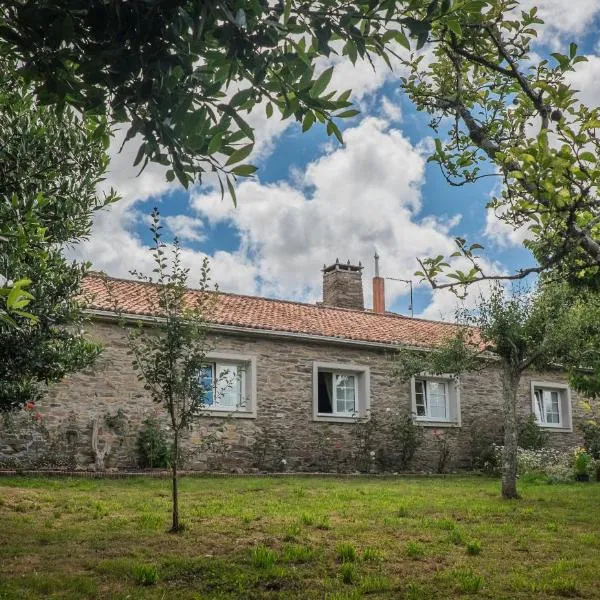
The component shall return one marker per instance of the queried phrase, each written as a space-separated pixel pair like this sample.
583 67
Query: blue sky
314 201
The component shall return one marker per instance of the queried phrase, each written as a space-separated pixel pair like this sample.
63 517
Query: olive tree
538 329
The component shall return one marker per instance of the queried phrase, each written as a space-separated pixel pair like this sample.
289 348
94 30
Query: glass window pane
437 399
207 383
345 393
540 414
552 407
229 386
421 397
324 391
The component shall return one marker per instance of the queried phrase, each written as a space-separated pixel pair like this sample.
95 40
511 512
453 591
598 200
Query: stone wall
283 436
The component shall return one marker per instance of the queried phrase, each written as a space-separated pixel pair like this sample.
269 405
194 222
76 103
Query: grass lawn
298 537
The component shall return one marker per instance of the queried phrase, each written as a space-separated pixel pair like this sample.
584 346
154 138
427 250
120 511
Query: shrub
263 557
591 438
145 574
407 437
531 435
443 450
346 553
153 451
547 464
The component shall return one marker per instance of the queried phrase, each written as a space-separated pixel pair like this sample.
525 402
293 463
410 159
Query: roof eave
106 315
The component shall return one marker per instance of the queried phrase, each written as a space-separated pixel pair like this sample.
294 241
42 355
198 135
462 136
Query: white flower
372 453
283 461
388 409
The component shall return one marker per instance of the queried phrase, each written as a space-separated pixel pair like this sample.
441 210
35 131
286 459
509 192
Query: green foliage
185 73
415 549
468 581
372 555
346 552
263 557
591 438
531 435
407 438
499 110
145 574
153 450
515 331
349 573
473 547
169 351
50 165
444 452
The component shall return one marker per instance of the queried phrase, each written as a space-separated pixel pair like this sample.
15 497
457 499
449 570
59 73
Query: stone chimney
342 286
378 289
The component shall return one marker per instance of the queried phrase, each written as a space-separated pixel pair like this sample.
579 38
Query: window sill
558 429
335 418
428 423
234 414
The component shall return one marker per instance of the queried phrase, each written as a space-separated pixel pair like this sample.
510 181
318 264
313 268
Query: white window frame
564 405
452 386
247 365
361 391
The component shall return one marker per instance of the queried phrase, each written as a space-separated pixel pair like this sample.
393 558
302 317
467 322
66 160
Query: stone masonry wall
283 436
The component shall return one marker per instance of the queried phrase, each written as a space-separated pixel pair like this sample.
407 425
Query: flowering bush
549 463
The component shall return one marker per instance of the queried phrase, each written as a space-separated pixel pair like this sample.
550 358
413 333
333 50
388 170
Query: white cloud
586 79
349 202
562 19
185 228
391 110
503 234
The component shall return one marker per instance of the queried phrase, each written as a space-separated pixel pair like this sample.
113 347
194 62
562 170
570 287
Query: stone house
309 387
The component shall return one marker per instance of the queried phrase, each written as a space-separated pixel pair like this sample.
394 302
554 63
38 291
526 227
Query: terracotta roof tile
253 312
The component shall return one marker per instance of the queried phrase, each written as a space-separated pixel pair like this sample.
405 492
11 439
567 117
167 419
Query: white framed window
340 392
229 383
436 400
551 405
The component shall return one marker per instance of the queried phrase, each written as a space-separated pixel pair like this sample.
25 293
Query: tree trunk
176 526
510 384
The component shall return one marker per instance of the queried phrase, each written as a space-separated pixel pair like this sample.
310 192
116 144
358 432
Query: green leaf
215 143
231 189
308 122
332 128
321 83
347 114
287 7
269 110
240 154
588 157
573 49
244 170
454 27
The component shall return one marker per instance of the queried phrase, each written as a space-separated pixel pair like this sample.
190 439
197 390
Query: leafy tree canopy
184 73
544 329
503 112
50 164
